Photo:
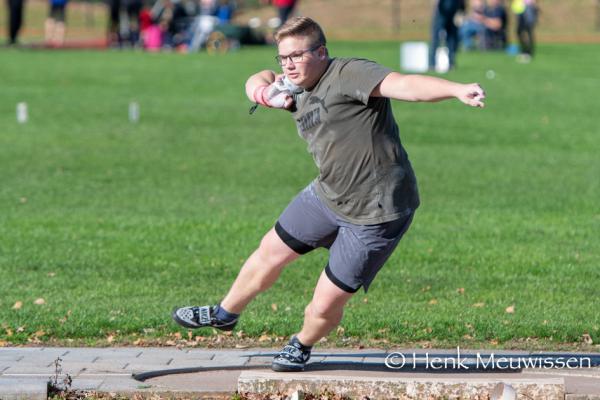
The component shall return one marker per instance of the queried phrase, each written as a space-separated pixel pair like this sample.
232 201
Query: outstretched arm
428 88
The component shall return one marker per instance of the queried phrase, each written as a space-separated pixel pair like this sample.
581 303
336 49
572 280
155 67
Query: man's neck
322 68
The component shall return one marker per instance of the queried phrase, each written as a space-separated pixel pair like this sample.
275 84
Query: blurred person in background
224 11
472 28
495 20
174 17
527 14
15 20
443 25
55 25
114 26
132 9
285 8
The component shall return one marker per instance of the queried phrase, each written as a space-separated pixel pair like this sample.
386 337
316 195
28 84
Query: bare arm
268 89
427 88
261 78
494 24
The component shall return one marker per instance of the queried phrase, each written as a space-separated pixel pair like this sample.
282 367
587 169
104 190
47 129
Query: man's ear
323 52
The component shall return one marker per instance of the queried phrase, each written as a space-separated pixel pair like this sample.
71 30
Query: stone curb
398 388
18 389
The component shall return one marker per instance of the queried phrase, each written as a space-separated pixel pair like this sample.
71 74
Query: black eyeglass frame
297 57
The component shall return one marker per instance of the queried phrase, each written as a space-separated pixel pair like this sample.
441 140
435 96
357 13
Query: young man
365 196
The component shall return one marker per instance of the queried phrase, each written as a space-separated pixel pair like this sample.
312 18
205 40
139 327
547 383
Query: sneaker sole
286 368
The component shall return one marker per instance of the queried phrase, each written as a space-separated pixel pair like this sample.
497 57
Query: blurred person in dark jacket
15 19
443 24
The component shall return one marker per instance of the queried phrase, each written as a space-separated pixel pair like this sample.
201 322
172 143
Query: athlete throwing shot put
365 196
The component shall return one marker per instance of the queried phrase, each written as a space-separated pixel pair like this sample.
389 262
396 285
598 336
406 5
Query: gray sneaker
292 358
199 317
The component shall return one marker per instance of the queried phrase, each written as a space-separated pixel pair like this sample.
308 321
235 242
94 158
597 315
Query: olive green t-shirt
365 175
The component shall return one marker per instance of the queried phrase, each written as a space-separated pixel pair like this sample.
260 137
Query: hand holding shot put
365 196
273 91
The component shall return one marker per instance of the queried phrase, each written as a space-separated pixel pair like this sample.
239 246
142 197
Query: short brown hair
301 26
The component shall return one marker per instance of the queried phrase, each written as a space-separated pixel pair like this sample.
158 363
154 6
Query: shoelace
204 315
294 354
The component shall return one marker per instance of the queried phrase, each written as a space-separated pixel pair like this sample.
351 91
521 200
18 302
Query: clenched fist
278 94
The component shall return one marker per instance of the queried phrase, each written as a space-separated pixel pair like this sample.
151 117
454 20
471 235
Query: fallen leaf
433 301
494 342
177 335
9 332
366 300
110 338
274 306
51 274
426 288
170 343
190 335
340 330
39 334
17 305
264 337
21 329
587 339
241 346
239 334
3 343
468 337
39 301
479 305
510 309
460 290
23 200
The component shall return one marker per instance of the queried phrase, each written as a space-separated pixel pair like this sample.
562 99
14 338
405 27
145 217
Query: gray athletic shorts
356 252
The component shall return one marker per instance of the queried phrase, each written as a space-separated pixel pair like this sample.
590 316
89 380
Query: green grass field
113 223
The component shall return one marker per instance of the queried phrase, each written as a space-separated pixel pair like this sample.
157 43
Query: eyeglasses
295 57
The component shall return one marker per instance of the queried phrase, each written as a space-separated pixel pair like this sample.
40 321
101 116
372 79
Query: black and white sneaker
292 357
200 317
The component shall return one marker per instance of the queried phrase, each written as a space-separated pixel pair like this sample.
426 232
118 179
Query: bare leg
259 272
59 33
324 312
49 30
